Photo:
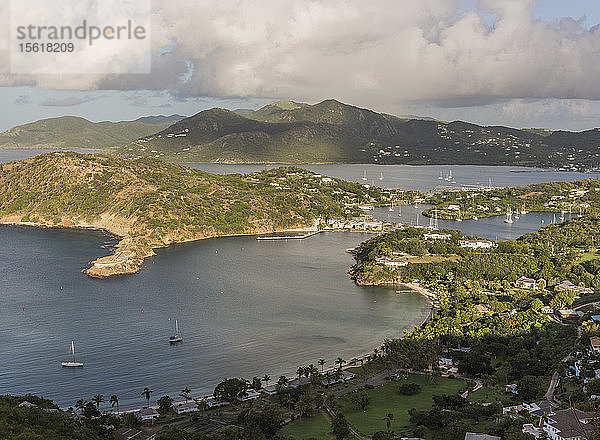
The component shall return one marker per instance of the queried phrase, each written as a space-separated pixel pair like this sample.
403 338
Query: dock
287 237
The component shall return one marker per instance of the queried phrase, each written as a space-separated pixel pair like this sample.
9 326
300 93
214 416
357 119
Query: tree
340 362
529 387
229 389
340 427
267 418
164 404
305 406
80 405
388 420
361 399
266 378
256 383
322 363
185 393
114 400
98 399
147 393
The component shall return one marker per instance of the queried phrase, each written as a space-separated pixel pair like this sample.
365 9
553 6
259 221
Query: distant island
150 204
326 132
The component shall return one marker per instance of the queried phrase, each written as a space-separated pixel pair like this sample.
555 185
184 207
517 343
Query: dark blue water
246 308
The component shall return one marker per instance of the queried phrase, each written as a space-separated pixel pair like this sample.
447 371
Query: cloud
67 101
375 53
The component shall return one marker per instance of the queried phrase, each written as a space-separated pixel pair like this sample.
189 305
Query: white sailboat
381 176
365 175
400 210
562 215
441 177
391 209
74 363
508 218
177 337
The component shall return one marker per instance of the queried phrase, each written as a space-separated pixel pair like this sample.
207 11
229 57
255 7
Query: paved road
553 383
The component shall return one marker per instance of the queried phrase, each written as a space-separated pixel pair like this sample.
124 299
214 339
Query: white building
183 408
476 244
248 395
390 262
436 236
146 414
568 424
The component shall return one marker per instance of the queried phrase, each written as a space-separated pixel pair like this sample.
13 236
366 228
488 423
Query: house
595 343
26 404
390 262
248 395
568 424
446 362
271 390
133 434
146 414
528 428
299 382
183 408
568 314
526 283
567 285
511 388
475 436
339 376
215 403
541 408
476 244
547 310
436 236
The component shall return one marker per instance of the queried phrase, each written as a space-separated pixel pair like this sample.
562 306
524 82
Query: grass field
317 427
386 399
587 256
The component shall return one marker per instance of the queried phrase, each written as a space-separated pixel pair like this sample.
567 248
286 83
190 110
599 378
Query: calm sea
245 307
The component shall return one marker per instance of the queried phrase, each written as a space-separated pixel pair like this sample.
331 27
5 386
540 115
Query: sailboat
508 218
400 210
449 177
365 175
441 177
381 176
177 337
562 215
73 364
391 209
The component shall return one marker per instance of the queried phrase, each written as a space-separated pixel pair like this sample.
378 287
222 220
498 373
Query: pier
287 237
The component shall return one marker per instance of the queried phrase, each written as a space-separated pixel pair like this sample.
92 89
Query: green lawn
587 256
317 427
386 399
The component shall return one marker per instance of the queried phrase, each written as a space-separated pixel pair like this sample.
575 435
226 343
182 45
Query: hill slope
74 132
150 203
330 131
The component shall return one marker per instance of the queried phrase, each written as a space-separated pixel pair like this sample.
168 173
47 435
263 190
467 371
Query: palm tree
300 372
340 362
266 378
147 393
321 363
80 405
375 351
185 393
98 399
114 400
388 420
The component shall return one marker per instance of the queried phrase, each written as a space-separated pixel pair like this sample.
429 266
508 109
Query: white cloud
374 53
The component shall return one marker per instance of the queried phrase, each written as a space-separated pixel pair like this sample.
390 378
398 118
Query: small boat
391 209
441 177
381 176
177 337
475 218
365 175
74 363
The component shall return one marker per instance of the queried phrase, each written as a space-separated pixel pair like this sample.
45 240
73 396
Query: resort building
386 261
147 414
568 314
476 244
526 283
567 285
568 424
248 395
183 408
436 236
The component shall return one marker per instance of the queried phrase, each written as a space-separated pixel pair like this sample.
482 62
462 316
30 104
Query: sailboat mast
73 349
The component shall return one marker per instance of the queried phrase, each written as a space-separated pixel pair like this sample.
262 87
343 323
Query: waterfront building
476 244
568 424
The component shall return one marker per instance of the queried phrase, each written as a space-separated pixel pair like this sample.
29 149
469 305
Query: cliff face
151 204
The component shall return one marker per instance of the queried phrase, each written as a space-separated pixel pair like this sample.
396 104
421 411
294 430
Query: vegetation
334 132
74 132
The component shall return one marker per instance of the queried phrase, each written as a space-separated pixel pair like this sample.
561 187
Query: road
553 383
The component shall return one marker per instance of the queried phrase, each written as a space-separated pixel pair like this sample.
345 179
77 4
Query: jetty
287 237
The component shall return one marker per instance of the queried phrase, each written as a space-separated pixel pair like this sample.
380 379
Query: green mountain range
331 131
74 132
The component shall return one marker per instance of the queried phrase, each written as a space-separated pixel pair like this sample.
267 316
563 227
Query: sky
520 63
